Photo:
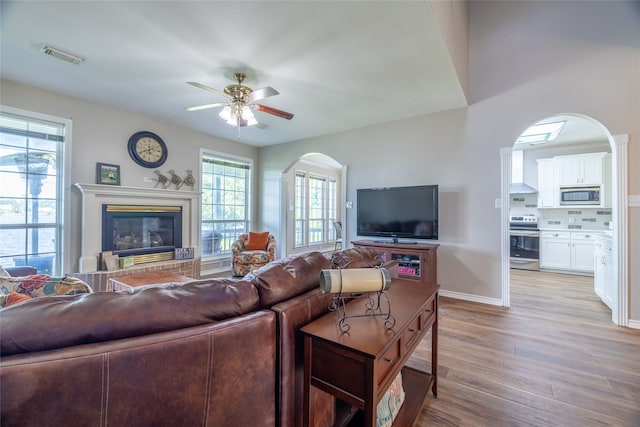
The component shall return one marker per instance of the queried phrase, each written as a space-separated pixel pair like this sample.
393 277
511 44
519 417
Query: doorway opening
581 134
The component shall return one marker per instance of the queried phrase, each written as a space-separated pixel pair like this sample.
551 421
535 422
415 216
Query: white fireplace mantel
96 195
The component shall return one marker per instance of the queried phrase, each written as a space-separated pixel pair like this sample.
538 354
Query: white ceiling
337 65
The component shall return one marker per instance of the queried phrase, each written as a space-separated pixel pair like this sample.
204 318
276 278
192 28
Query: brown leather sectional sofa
211 352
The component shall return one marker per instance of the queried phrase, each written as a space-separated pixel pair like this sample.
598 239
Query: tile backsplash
561 218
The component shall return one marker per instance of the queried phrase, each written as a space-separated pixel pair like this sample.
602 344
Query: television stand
416 262
395 241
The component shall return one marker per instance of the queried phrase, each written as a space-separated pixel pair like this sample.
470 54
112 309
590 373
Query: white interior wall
100 134
528 60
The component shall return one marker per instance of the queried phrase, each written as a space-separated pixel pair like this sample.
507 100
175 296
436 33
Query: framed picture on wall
107 174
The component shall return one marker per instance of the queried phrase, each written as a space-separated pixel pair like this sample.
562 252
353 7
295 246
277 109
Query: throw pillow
14 298
257 241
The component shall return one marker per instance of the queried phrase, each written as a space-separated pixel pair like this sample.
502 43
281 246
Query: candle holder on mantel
354 283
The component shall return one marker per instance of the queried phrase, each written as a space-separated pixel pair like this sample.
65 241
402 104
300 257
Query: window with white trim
226 202
300 210
315 209
31 195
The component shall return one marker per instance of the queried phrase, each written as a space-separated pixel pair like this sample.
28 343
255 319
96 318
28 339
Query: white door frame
619 143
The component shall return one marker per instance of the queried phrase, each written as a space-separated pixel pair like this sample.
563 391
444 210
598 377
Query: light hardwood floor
554 358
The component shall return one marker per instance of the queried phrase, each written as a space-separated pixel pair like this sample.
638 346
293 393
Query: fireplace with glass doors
141 231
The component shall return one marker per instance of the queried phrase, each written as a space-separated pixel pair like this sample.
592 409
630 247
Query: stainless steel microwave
580 195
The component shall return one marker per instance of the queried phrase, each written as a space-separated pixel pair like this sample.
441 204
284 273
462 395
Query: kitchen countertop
579 230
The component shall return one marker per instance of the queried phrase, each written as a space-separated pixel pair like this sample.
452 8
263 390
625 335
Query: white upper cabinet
547 189
580 170
583 169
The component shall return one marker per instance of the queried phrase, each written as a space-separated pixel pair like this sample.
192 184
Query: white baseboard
634 324
470 297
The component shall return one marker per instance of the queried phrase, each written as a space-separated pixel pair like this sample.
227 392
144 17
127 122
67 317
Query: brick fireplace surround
95 195
99 280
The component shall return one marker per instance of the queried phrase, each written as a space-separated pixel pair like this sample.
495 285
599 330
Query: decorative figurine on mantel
189 179
162 180
175 179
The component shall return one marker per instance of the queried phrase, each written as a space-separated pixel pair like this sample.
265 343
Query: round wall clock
147 149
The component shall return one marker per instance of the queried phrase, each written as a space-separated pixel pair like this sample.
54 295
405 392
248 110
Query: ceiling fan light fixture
241 100
225 114
238 115
248 116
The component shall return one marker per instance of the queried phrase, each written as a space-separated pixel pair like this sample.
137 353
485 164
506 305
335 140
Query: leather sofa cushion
48 323
288 277
360 257
211 375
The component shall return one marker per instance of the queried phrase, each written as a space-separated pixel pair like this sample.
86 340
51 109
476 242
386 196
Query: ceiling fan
241 100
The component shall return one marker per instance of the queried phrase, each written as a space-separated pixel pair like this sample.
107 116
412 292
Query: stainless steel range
525 242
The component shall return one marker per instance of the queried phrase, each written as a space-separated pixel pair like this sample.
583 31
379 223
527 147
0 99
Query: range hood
521 188
517 175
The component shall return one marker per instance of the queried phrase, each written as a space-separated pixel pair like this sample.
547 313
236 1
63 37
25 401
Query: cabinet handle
413 331
388 360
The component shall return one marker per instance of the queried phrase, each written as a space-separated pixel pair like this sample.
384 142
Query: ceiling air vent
60 54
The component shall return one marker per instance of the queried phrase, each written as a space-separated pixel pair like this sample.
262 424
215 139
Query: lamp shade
225 114
238 115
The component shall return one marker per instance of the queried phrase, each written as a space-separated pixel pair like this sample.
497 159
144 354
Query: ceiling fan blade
210 89
259 94
205 106
273 111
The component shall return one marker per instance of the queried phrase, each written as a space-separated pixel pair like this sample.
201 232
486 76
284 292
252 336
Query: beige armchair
251 251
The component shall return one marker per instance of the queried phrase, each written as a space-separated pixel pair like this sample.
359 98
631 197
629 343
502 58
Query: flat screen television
398 212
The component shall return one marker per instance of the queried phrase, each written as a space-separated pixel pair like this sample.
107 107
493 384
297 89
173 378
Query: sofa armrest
271 247
392 267
238 245
291 315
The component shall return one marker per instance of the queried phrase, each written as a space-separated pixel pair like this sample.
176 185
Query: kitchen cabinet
582 169
555 250
567 250
582 249
603 270
547 189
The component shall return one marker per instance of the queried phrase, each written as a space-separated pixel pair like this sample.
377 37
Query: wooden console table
415 261
358 366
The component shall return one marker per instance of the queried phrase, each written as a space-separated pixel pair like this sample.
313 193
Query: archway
618 146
